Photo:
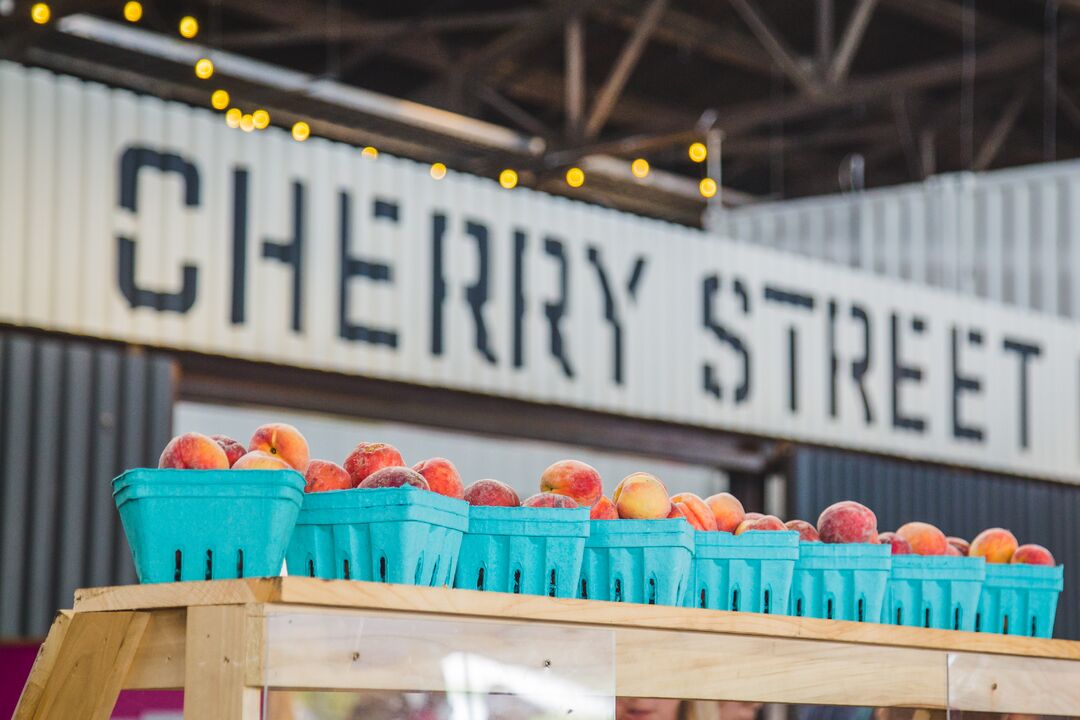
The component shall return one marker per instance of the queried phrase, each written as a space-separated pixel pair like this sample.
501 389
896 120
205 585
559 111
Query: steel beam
774 44
574 106
850 41
990 148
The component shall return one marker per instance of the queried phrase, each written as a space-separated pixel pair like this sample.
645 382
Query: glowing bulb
247 123
189 27
370 152
575 177
204 69
698 152
40 13
508 178
260 118
640 167
219 99
707 187
438 171
133 11
233 117
301 131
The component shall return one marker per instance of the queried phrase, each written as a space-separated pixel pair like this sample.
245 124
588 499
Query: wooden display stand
211 640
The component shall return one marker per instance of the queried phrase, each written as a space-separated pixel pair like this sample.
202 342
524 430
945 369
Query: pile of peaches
572 484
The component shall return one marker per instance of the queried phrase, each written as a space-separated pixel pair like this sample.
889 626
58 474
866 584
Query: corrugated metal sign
133 218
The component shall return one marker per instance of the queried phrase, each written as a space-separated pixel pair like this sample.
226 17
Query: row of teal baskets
203 525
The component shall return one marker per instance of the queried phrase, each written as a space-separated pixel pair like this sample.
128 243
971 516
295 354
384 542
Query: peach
753 516
367 458
1032 554
807 532
442 477
924 538
604 509
284 441
394 476
323 475
641 496
574 479
766 522
900 546
996 545
697 512
550 500
193 451
678 512
233 449
727 510
258 460
847 522
952 551
491 493
962 546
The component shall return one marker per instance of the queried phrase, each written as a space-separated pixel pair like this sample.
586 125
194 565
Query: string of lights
259 118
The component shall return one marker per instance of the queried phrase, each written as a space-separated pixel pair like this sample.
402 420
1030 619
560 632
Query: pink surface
15 662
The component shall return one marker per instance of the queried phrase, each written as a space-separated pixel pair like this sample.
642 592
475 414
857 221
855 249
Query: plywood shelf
217 641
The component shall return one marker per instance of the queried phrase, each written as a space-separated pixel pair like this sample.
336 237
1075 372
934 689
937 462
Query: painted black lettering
860 367
555 311
904 373
292 253
476 295
800 300
963 384
611 312
438 282
239 246
1025 351
132 161
519 298
710 288
350 267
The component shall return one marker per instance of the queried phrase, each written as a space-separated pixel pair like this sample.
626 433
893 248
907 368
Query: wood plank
405 598
1033 686
89 670
159 660
221 646
42 667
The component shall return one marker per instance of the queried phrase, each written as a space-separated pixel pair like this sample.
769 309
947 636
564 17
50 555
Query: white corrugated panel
151 222
1008 235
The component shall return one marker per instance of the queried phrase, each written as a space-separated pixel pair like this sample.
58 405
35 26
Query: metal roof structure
801 98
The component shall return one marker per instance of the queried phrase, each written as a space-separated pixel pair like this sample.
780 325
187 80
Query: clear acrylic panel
345 665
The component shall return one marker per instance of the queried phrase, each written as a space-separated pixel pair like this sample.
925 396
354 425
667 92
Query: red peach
491 493
394 476
193 451
604 509
641 496
678 512
574 479
692 516
727 510
367 458
962 546
283 440
442 477
1032 554
847 522
323 475
258 460
233 450
900 546
753 516
550 500
697 512
952 551
996 545
924 538
766 522
807 532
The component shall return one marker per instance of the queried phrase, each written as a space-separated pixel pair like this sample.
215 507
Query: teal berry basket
207 524
398 535
749 572
532 551
934 591
642 561
841 581
1020 599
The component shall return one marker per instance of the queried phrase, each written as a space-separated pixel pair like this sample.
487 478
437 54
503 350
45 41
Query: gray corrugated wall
73 415
960 502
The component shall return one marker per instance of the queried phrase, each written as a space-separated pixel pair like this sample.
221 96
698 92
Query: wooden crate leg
89 668
42 668
219 649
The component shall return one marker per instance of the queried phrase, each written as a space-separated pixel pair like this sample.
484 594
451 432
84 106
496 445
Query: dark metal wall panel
73 415
960 502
